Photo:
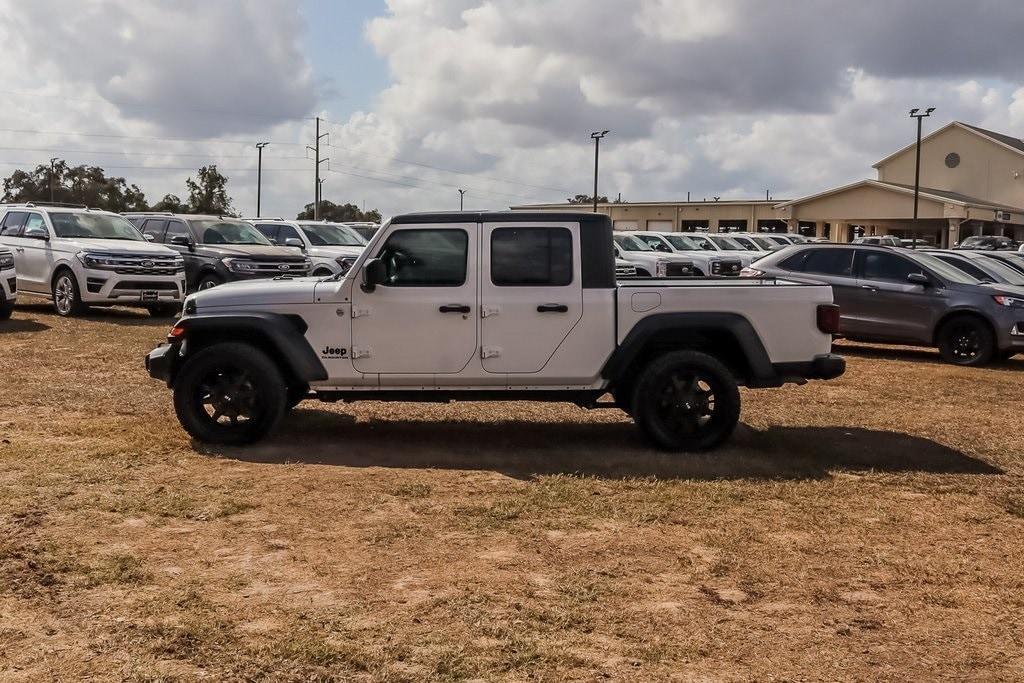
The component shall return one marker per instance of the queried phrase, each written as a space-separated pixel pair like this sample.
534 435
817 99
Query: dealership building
972 183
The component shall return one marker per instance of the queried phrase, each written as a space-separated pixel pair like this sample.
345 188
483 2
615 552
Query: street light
462 193
259 174
917 114
597 150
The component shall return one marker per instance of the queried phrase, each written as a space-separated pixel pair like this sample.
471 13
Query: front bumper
160 362
105 286
8 287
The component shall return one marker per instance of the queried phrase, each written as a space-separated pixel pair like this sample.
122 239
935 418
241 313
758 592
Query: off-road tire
966 340
229 377
208 280
686 401
6 309
67 297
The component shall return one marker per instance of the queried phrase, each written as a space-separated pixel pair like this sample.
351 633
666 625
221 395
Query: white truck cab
81 257
8 283
494 306
332 248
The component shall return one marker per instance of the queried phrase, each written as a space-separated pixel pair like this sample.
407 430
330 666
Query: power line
24 131
148 153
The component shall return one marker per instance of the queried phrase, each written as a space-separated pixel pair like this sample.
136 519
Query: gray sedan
905 297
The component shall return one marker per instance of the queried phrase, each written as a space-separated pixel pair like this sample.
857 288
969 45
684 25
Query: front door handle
552 308
454 308
869 288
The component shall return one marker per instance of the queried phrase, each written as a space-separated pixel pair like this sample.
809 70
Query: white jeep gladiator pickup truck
494 306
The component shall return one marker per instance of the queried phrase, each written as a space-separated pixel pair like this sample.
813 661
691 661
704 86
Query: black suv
219 249
988 243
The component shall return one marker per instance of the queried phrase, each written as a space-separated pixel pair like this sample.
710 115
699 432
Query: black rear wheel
229 393
968 341
686 401
6 309
163 310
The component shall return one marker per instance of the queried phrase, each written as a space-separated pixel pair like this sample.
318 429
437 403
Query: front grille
625 271
12 284
140 285
726 268
273 268
679 270
143 264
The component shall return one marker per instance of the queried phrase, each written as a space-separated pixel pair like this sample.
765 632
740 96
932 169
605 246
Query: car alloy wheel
228 397
965 343
64 294
686 402
207 284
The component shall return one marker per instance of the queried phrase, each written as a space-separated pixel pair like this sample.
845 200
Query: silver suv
908 297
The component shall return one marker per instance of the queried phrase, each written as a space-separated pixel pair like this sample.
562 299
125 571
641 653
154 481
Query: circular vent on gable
952 160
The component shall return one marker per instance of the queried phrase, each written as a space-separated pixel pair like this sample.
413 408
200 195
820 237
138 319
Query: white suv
8 283
331 247
80 257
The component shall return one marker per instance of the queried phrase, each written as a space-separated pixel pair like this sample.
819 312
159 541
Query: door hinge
490 351
360 352
360 312
488 311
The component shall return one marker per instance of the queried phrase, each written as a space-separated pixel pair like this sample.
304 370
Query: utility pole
462 193
315 148
917 114
259 174
320 193
52 161
597 150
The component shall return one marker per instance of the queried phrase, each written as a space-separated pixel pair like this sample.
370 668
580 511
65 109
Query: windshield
977 241
328 235
944 270
765 244
726 243
227 231
779 240
631 243
747 243
94 226
1012 260
682 243
1002 271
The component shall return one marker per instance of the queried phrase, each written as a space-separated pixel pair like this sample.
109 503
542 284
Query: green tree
172 203
587 199
208 194
82 184
339 213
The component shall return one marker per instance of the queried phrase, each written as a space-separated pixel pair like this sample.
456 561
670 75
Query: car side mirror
919 279
374 273
149 238
183 241
37 234
295 242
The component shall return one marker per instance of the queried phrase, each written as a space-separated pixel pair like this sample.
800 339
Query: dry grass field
870 528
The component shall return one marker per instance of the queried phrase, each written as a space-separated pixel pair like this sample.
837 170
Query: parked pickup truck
494 306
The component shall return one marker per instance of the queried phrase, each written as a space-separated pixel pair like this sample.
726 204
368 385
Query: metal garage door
659 226
625 225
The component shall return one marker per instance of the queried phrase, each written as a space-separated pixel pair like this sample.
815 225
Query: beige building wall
987 169
865 204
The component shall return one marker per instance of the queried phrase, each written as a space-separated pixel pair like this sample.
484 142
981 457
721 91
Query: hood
258 251
257 293
119 246
333 252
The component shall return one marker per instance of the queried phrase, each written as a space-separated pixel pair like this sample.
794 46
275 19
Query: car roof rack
262 218
41 204
147 213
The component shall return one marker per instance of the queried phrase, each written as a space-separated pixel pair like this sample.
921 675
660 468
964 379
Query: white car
8 283
500 306
706 260
331 247
81 257
648 262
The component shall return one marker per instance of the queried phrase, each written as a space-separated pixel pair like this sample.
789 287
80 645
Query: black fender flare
283 336
759 365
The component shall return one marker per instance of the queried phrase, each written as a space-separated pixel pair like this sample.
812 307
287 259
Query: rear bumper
825 366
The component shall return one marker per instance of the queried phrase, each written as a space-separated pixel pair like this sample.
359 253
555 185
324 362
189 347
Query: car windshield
765 244
1011 261
727 243
703 243
329 235
977 241
227 231
943 269
94 226
631 243
1002 271
779 240
682 243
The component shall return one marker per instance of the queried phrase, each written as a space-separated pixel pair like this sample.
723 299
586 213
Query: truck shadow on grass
914 354
609 450
117 315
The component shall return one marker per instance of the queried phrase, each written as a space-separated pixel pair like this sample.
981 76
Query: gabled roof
927 193
1008 141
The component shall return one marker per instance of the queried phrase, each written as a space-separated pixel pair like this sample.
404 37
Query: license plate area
150 295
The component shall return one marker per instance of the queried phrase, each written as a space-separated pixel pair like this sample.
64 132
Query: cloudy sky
421 97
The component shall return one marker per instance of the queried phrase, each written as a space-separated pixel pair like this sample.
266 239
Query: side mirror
37 234
295 242
919 279
149 238
374 273
182 241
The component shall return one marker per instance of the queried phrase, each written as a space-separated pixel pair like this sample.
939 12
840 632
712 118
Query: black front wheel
967 341
229 393
686 401
163 310
6 309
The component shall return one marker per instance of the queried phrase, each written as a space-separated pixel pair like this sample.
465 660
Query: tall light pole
597 151
917 114
259 174
52 162
462 193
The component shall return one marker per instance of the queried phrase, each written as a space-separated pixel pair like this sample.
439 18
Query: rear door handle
552 308
454 308
869 288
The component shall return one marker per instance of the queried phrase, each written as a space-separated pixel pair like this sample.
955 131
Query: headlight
92 260
240 265
345 263
1011 301
6 261
661 269
751 272
307 264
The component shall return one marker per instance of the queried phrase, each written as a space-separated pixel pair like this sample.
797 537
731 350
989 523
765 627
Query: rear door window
155 227
886 266
531 257
835 262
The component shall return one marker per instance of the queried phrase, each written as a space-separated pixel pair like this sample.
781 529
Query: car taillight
176 334
828 318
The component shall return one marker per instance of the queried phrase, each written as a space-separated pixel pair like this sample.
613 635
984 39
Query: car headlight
6 261
661 269
1009 301
95 260
751 272
345 263
240 265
